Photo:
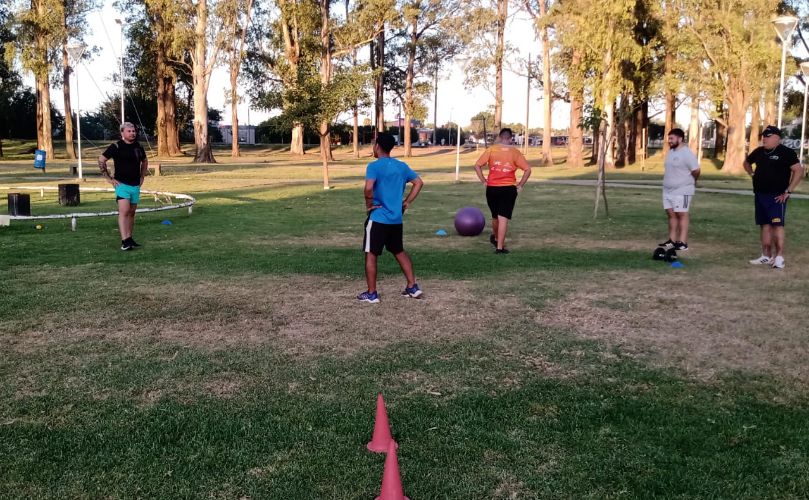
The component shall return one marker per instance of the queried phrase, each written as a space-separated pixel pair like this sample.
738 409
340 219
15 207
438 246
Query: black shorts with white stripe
379 236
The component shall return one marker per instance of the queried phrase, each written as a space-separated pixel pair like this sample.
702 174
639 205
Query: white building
247 134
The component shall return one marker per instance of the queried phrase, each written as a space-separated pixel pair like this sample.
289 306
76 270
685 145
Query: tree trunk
670 111
755 124
172 131
234 111
736 151
502 17
235 67
693 128
378 63
770 109
721 130
296 144
547 90
66 70
200 79
409 77
737 113
355 140
632 141
594 150
161 125
325 81
605 157
641 128
622 131
44 131
575 146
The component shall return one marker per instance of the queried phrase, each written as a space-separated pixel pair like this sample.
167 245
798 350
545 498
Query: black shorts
769 211
379 236
501 200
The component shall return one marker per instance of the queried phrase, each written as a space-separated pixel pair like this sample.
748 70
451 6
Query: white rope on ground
190 201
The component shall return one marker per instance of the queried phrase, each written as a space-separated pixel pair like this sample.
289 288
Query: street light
121 23
783 26
75 52
805 71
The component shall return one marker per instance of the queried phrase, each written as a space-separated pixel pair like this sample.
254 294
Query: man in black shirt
130 169
778 172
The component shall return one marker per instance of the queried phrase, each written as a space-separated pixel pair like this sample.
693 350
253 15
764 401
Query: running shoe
501 250
667 243
126 245
680 245
413 291
778 263
371 297
134 243
761 260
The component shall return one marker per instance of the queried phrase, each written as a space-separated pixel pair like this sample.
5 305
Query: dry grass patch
300 315
745 319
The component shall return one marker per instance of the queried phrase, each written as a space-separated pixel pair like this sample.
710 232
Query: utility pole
76 52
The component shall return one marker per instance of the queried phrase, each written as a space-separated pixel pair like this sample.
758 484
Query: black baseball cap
771 130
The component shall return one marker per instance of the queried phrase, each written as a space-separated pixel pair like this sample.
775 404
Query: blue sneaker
414 291
372 297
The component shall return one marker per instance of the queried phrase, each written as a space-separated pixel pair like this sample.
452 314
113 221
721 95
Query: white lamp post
805 71
783 26
121 23
75 52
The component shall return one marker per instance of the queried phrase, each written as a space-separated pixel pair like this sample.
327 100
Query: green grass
100 400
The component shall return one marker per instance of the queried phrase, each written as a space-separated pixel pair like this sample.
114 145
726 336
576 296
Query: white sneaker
761 260
778 263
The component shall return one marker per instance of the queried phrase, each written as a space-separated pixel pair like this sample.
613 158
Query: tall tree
158 34
236 16
10 81
538 9
484 36
205 35
736 46
38 32
428 27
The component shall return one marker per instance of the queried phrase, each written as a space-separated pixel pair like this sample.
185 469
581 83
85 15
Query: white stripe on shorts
368 235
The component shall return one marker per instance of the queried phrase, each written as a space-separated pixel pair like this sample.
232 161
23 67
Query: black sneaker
666 243
493 240
680 245
126 245
501 250
134 243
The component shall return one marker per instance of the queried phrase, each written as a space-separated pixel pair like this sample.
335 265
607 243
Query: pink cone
381 438
391 480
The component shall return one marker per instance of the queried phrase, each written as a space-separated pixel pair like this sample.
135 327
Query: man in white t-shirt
679 183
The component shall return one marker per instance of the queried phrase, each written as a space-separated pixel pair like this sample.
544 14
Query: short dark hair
386 141
504 131
678 132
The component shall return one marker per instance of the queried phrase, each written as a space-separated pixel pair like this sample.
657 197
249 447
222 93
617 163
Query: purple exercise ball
469 221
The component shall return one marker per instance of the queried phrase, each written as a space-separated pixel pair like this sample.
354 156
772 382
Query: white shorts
677 202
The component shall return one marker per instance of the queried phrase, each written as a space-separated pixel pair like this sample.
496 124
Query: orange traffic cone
391 480
381 438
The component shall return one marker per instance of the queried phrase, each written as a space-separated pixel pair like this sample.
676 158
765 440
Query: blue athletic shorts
127 192
769 211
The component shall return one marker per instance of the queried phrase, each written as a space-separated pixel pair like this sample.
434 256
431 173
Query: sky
456 103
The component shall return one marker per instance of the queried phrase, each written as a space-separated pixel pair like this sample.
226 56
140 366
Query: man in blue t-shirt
385 182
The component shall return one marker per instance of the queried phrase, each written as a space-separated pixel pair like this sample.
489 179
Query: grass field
227 358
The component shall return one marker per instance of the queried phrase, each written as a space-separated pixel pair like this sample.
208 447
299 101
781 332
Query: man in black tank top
130 169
